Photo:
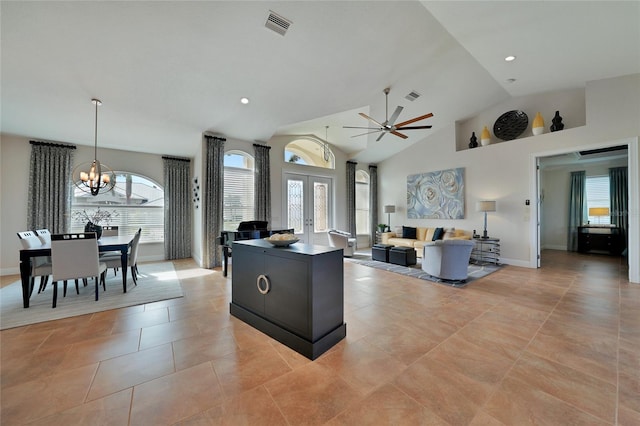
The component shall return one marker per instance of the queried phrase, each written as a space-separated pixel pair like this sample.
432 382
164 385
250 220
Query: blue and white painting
436 195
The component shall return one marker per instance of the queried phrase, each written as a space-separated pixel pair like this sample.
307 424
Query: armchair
343 240
447 259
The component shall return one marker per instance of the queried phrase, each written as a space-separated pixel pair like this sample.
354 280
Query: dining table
119 243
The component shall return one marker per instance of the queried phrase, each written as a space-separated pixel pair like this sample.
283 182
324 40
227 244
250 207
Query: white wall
506 171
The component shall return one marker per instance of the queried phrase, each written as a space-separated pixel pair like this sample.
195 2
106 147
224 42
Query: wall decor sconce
196 192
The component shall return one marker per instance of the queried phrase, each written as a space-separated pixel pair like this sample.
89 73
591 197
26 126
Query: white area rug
156 281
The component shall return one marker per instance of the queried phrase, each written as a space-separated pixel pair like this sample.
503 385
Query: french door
308 208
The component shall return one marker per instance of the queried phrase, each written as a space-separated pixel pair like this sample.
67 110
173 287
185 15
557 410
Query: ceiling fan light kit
389 125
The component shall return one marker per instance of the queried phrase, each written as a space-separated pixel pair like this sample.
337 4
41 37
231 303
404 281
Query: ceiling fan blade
413 127
394 116
359 127
362 114
399 134
367 133
413 120
381 135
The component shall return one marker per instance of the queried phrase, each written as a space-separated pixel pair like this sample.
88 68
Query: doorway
308 206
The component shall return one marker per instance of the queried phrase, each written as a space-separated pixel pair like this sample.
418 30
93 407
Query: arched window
362 202
135 202
238 189
309 152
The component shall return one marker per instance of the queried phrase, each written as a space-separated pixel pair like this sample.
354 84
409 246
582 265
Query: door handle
267 286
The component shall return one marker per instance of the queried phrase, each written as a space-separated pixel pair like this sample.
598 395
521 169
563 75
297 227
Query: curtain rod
215 138
351 162
264 146
59 145
187 160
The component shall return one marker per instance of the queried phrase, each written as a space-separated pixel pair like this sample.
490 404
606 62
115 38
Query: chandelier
89 176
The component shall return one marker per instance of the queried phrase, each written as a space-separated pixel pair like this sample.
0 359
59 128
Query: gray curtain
50 187
619 196
351 197
373 200
177 208
262 183
577 207
212 200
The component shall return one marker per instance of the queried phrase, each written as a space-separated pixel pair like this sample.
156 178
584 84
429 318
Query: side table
486 250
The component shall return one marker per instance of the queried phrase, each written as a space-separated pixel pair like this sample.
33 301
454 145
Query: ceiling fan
388 125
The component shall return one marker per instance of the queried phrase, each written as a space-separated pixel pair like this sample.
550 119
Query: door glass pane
295 196
320 207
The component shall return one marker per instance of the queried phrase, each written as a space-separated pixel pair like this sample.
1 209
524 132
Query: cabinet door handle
267 286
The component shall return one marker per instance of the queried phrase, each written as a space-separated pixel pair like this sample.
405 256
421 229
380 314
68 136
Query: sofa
343 240
447 259
417 237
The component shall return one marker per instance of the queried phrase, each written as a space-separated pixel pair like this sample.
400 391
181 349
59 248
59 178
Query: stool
380 252
404 256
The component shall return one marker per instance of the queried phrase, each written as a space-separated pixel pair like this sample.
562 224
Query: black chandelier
93 177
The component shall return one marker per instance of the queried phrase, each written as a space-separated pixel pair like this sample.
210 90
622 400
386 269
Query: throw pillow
408 232
438 234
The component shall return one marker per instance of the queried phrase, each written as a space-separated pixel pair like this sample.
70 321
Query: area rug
156 281
474 272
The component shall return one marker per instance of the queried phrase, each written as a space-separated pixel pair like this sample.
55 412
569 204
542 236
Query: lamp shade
486 206
599 211
389 209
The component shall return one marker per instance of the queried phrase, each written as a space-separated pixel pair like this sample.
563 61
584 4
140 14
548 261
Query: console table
600 239
486 250
294 294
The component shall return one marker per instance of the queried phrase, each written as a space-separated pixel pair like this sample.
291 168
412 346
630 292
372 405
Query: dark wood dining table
119 243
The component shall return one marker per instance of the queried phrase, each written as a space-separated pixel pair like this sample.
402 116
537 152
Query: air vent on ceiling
277 23
412 96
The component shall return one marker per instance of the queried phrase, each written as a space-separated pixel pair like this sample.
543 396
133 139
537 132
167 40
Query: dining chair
109 231
75 256
114 261
40 265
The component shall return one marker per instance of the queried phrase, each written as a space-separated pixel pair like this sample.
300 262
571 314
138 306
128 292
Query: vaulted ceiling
167 71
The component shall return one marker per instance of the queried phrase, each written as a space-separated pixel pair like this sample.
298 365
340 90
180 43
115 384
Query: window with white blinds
598 196
135 202
362 203
238 189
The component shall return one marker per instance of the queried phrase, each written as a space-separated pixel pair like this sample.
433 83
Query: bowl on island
282 240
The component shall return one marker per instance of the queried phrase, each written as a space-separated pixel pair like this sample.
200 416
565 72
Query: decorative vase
473 141
557 123
485 137
537 128
92 227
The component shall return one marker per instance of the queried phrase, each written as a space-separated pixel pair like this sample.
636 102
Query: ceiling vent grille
412 96
277 23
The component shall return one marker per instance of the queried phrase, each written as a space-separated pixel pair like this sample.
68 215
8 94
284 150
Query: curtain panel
351 198
577 207
177 208
213 199
51 187
262 183
619 200
373 200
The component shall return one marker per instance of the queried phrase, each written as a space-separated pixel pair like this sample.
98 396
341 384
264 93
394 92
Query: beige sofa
423 236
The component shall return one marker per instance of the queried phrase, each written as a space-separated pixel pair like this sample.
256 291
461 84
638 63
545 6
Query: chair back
133 256
74 256
253 225
109 231
44 235
29 239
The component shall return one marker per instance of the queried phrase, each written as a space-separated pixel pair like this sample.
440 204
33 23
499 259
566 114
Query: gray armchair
447 259
343 240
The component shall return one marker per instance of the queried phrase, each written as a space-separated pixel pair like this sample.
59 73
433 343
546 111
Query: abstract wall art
436 195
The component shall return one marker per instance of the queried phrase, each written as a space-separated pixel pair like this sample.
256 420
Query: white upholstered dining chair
40 265
75 256
114 260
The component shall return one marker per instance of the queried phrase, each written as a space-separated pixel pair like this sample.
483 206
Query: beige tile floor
555 346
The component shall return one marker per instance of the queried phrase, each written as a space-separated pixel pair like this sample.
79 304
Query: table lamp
389 210
485 206
598 212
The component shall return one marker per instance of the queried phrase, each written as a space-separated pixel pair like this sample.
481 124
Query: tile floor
554 346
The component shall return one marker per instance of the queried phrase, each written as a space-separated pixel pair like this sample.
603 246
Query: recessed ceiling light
510 58
244 100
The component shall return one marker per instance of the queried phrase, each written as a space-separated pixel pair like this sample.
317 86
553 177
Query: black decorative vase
473 141
557 123
92 227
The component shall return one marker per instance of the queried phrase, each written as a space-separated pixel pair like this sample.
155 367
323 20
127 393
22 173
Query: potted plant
94 219
382 227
